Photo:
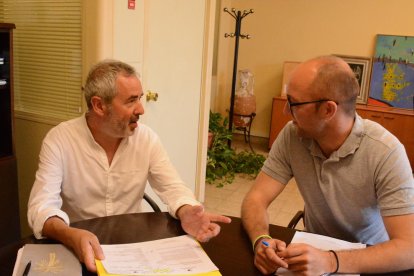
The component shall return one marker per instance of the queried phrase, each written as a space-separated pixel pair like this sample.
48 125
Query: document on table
180 255
323 243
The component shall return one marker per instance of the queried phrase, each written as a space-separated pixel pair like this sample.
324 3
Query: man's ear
98 105
330 109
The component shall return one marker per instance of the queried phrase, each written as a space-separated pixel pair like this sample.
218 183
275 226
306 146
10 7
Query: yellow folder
102 272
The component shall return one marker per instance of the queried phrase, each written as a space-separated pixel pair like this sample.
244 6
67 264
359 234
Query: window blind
47 57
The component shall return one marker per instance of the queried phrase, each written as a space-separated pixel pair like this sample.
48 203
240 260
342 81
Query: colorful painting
392 79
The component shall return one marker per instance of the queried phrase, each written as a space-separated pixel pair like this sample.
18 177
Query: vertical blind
47 56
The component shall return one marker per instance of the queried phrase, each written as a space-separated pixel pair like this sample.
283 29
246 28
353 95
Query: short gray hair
101 80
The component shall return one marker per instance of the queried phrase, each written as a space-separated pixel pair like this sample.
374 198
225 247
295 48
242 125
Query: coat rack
238 16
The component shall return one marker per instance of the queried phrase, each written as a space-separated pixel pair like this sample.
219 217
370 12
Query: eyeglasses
291 104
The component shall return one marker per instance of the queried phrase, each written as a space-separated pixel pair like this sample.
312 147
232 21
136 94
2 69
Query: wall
28 139
296 30
128 37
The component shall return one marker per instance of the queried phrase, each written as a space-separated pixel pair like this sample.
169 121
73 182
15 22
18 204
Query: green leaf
222 161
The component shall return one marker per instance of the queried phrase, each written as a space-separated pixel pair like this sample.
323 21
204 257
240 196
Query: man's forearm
254 208
255 219
394 255
55 228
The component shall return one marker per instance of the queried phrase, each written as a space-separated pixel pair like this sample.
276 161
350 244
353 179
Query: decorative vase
244 100
244 106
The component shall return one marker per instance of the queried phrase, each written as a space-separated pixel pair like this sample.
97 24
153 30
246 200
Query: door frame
207 71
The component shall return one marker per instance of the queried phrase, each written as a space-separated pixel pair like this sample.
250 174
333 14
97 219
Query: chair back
152 203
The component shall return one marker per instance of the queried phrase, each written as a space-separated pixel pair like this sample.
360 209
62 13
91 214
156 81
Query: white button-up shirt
74 180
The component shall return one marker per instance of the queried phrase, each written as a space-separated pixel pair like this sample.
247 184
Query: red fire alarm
131 4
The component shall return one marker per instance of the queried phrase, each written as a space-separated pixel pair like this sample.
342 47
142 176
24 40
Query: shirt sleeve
394 183
277 165
45 200
165 180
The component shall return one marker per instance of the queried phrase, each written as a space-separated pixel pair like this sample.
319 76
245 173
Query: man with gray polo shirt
354 177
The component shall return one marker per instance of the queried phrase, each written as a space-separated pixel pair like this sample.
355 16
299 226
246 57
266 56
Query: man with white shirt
98 165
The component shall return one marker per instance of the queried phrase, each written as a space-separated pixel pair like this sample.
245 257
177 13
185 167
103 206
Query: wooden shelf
4 88
9 199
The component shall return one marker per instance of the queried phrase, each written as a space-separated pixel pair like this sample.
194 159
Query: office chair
295 220
152 203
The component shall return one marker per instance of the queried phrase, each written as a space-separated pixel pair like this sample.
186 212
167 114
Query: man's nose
139 109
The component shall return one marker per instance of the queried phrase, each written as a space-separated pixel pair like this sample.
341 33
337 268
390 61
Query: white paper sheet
178 255
323 243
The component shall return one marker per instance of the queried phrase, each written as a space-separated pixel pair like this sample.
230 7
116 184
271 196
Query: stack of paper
180 255
47 259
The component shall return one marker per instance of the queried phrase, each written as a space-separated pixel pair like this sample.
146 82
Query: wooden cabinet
398 121
9 200
279 118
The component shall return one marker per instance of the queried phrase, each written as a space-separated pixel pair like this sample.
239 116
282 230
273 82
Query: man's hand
84 243
86 246
308 260
266 258
198 223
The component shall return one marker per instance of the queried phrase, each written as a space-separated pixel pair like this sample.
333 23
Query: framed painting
362 70
392 80
288 67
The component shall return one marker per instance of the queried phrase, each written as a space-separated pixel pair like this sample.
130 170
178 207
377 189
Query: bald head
327 77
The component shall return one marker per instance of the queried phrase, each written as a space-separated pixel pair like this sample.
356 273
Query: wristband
258 238
337 261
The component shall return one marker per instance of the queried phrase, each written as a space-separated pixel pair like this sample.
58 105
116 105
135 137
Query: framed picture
288 67
362 70
392 81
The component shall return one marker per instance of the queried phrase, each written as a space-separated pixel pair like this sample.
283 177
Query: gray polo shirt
345 195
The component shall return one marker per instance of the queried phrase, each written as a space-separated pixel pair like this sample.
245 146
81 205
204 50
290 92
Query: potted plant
223 162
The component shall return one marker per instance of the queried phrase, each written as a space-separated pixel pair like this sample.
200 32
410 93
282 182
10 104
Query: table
231 251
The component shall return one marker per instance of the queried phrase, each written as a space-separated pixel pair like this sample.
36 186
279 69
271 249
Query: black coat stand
238 16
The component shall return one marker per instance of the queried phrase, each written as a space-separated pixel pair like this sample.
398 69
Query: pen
27 269
265 243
